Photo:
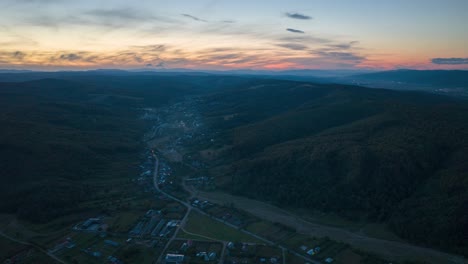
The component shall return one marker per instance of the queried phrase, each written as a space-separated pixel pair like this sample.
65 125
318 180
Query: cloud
343 46
295 30
18 55
298 16
121 13
450 61
70 57
305 38
340 56
194 18
292 46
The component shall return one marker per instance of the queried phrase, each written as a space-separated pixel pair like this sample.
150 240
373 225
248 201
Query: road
190 207
183 221
268 242
389 249
32 245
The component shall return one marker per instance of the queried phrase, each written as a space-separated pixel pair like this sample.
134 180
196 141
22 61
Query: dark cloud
340 46
18 55
194 18
295 30
225 57
450 61
343 46
70 57
305 38
341 56
293 46
298 16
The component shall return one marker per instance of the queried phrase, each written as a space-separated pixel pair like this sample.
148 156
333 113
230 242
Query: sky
228 34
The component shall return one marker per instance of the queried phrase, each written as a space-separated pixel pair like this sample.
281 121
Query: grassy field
205 226
258 227
183 234
124 221
136 254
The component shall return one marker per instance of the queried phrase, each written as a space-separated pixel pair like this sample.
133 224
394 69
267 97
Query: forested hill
393 157
58 137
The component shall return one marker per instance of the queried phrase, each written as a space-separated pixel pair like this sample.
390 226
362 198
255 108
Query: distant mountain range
451 82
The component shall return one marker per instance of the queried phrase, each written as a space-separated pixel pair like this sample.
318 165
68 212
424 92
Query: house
90 222
149 213
328 260
111 243
114 260
303 248
174 258
212 256
184 247
311 252
196 203
230 245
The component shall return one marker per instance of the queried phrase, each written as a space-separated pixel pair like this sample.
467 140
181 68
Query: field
205 226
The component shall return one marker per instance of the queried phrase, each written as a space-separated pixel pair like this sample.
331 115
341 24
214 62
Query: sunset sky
262 34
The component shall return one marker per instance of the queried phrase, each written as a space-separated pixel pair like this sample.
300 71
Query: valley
185 192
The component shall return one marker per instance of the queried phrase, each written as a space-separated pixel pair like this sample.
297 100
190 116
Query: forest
365 154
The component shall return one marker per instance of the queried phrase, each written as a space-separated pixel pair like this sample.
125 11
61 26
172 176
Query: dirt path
389 249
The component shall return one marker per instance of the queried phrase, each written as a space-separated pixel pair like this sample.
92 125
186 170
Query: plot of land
204 225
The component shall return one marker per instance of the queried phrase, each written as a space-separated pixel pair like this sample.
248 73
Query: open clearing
205 226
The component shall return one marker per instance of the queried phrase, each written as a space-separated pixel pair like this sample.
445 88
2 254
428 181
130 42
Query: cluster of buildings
210 256
174 258
180 258
201 204
164 173
92 225
310 251
314 251
154 225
